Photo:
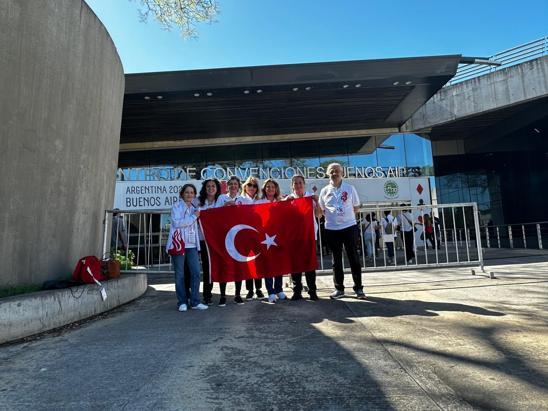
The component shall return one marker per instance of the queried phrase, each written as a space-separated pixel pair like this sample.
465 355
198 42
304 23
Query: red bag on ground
88 270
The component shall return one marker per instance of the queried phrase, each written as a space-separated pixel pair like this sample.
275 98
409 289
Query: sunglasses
253 185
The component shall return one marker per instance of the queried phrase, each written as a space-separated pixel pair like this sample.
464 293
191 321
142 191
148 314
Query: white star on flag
269 241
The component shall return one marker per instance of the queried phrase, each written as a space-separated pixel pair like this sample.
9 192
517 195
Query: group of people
338 202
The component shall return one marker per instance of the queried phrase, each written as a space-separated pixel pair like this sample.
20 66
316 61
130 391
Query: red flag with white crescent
262 240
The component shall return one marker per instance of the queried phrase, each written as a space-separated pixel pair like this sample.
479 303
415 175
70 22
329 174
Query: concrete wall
61 94
21 316
504 88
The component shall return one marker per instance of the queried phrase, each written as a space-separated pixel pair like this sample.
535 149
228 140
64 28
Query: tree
183 14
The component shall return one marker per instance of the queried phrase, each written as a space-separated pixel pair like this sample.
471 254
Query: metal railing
507 58
450 239
526 235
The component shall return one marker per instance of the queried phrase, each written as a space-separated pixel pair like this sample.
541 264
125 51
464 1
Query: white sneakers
183 307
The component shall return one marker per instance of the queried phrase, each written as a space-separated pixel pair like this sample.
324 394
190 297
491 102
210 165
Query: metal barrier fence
408 238
527 235
516 55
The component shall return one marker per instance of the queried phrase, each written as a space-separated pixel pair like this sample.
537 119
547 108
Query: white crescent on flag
231 248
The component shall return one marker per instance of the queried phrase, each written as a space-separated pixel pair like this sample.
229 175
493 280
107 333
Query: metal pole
105 234
487 237
445 235
523 234
128 231
478 240
466 233
455 231
321 244
539 235
498 236
424 236
139 240
435 234
510 236
361 237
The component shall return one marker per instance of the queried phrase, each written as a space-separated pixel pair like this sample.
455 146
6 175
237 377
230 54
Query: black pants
408 239
347 237
249 284
222 287
297 279
208 286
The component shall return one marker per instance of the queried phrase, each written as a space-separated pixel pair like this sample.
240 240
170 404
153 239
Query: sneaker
200 307
360 295
296 297
249 296
208 301
282 296
222 302
259 294
272 298
238 300
182 307
336 295
313 296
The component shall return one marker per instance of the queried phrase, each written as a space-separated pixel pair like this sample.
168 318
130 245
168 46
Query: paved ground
437 339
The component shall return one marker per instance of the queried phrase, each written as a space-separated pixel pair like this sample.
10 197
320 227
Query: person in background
389 228
369 234
405 222
339 202
250 191
209 198
429 231
270 194
298 186
118 239
231 198
184 217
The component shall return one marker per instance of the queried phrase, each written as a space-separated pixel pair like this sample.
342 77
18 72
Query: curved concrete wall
61 94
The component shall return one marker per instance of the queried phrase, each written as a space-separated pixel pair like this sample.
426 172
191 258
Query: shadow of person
388 307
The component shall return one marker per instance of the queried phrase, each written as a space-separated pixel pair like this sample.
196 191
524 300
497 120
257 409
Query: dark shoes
313 296
207 301
249 296
296 297
238 300
222 301
259 294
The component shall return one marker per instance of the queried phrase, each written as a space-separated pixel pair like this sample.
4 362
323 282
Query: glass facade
409 151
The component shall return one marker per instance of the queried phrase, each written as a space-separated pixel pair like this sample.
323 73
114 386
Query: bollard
539 236
510 236
498 237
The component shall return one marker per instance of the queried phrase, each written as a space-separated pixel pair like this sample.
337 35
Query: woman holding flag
209 198
298 186
271 193
184 217
250 191
232 198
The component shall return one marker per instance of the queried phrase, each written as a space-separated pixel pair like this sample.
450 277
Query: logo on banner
391 189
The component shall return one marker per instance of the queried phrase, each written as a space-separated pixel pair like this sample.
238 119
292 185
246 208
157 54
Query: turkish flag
262 240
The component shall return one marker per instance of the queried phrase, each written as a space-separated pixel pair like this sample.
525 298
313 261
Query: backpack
389 227
88 270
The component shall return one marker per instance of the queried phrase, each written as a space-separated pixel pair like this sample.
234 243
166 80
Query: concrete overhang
293 102
486 107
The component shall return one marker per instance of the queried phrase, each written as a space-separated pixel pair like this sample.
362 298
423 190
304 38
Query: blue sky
260 32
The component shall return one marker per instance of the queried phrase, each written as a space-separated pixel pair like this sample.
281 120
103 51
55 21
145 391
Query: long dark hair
203 192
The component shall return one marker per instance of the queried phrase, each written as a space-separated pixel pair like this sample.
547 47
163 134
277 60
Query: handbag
177 244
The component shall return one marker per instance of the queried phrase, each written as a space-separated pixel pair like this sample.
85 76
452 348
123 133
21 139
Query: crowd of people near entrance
337 203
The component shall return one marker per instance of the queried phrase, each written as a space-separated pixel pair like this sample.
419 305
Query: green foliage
183 14
19 289
125 262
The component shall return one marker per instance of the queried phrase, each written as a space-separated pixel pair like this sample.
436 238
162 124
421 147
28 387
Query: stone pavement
431 339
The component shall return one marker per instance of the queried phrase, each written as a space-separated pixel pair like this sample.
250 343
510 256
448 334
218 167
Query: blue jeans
191 254
274 285
368 240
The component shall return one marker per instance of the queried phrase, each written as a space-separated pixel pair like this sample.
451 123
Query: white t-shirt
264 201
338 205
238 199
